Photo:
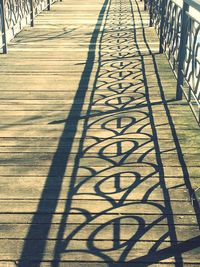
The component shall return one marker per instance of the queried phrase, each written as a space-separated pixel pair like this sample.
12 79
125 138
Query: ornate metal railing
178 26
15 14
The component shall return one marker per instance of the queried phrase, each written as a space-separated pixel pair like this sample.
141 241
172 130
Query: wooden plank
32 187
94 206
127 228
41 170
76 218
81 264
97 160
15 246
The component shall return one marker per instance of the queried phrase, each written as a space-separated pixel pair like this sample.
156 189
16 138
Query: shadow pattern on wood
119 170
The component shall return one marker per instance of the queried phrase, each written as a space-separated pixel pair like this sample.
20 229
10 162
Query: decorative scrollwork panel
174 17
19 13
191 69
172 32
15 11
156 14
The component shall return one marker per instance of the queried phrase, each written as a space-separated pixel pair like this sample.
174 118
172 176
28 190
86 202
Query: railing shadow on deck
15 15
43 37
178 26
129 108
58 166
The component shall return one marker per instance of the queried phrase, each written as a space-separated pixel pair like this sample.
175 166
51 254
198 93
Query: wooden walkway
98 162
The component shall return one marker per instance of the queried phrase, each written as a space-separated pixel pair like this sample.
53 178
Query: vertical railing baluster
3 24
182 50
48 5
29 11
151 12
32 13
199 117
162 21
145 5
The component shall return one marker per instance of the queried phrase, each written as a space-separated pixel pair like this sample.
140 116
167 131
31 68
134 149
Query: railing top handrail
193 3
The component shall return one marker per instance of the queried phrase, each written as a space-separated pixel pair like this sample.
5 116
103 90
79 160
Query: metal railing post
48 5
145 5
162 21
32 13
182 50
4 41
151 13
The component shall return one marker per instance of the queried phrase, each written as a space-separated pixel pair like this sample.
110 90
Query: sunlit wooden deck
98 161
